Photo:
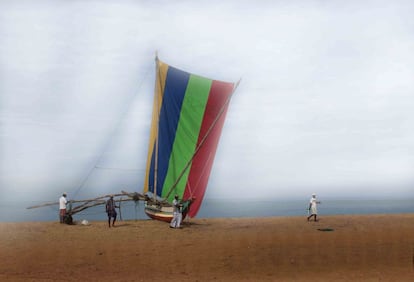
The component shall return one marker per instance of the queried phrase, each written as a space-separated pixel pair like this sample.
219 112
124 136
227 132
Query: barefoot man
110 210
62 207
313 210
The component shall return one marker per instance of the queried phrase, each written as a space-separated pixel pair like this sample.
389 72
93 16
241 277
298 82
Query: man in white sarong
177 216
313 210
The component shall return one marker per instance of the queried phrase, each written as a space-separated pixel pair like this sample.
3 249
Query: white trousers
176 221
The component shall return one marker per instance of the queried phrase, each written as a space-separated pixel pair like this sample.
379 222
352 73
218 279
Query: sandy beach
358 248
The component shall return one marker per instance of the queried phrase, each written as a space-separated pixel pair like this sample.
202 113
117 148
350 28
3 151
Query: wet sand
359 248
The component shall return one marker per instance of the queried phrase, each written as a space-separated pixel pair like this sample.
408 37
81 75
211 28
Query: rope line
111 136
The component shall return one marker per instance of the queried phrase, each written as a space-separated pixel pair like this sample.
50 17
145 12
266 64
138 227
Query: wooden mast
157 90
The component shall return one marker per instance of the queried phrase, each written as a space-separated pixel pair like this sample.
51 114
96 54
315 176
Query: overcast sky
325 103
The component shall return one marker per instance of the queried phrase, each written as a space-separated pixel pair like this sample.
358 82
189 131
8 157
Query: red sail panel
203 161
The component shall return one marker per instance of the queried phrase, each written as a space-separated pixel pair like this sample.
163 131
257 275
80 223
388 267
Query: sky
324 105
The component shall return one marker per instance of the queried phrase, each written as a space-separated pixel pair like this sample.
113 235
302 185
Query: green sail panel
188 129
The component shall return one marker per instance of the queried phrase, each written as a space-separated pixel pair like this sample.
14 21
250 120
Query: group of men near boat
177 211
111 207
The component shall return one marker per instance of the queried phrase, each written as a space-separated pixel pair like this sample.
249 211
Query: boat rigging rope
111 135
196 185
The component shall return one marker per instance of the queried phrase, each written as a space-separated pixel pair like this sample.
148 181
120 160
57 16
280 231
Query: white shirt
62 203
176 209
313 202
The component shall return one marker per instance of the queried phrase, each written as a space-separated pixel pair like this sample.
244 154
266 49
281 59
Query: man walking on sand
110 210
313 210
62 207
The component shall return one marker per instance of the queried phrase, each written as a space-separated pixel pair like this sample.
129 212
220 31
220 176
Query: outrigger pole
85 204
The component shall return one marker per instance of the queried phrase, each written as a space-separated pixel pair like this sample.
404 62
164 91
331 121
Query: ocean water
214 208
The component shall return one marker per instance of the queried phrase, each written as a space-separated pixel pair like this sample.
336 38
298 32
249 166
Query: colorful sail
188 117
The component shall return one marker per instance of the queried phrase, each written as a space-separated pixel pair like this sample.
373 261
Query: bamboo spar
157 125
88 203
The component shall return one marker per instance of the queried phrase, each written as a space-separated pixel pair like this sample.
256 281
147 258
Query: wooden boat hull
164 213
